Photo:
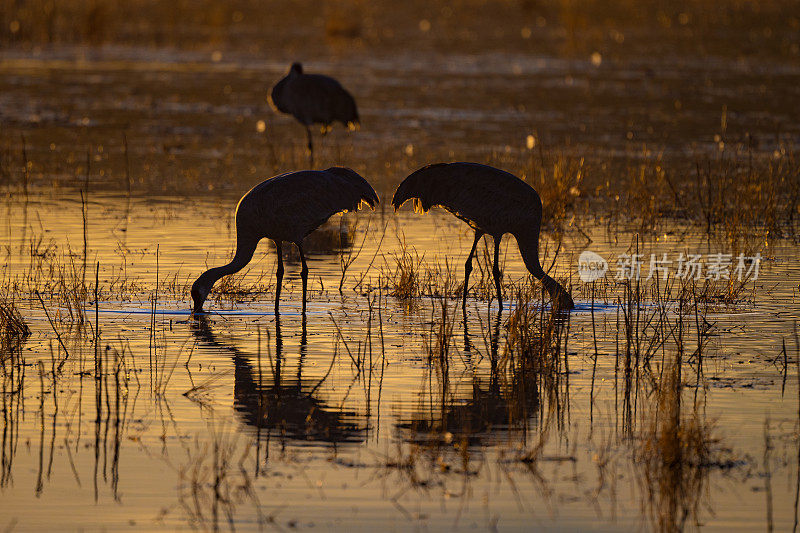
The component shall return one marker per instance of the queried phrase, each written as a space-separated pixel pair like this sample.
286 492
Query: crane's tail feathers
365 191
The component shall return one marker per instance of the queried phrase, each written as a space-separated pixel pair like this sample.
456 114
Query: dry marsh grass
413 276
61 275
240 287
534 335
674 455
521 379
535 356
404 280
738 196
214 480
747 197
13 329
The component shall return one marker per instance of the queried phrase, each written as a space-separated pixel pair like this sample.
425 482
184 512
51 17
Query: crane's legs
276 373
278 275
303 350
310 149
496 271
303 276
468 267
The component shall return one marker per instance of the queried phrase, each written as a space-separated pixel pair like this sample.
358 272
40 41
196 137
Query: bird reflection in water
279 404
334 237
509 400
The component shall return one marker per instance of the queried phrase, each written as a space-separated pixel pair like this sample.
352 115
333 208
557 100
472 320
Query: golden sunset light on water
345 266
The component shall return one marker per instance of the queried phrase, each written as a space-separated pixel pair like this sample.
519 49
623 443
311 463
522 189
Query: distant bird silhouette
492 202
314 99
287 208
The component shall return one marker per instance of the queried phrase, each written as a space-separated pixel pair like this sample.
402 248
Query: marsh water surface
387 405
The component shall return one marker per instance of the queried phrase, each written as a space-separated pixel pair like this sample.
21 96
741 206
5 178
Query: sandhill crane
287 208
492 202
314 99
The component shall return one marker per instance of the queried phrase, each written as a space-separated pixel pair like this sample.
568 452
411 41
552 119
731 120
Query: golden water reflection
406 414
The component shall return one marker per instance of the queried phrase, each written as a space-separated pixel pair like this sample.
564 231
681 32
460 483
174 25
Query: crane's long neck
529 249
245 248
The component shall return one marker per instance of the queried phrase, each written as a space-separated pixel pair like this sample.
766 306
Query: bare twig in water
58 335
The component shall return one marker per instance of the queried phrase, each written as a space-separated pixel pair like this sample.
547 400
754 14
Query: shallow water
314 441
350 418
191 124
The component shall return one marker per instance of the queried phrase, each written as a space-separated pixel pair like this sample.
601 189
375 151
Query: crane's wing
290 206
488 197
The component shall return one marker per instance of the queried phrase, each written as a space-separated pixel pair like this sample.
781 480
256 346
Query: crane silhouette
492 202
314 99
287 208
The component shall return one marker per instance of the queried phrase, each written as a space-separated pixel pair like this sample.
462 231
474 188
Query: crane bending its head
492 202
286 208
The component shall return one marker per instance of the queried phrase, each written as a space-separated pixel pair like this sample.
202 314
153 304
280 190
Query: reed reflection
280 402
507 400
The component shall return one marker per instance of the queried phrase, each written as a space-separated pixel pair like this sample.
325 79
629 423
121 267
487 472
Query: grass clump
13 329
674 456
404 282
